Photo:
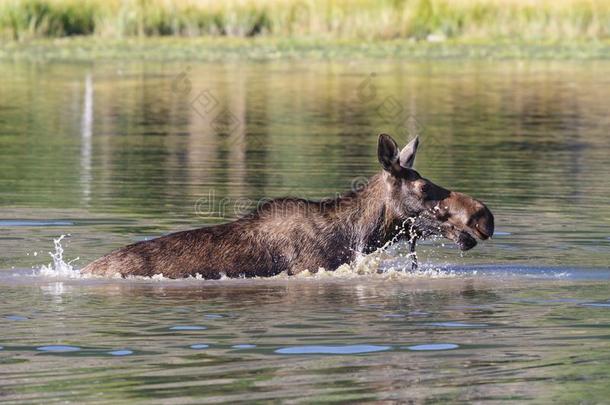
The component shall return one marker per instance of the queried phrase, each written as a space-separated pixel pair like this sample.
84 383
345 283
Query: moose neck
368 215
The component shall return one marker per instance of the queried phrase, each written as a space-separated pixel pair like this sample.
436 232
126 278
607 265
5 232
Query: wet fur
283 235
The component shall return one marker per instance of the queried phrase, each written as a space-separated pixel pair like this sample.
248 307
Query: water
113 153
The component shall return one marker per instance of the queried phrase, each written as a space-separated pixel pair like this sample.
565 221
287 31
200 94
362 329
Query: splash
393 273
381 264
59 268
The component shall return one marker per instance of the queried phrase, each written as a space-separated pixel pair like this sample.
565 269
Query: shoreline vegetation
272 29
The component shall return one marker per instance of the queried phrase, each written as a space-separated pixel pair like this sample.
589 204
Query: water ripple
58 348
16 318
597 304
346 349
23 222
433 346
187 327
124 352
457 324
243 346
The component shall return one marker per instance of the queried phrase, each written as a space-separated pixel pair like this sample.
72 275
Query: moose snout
469 215
482 223
464 220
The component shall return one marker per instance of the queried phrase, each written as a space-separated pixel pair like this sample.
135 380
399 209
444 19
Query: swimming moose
291 234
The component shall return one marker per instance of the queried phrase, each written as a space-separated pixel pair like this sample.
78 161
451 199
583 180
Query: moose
292 235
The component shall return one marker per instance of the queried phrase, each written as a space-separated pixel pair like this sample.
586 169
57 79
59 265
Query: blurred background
435 20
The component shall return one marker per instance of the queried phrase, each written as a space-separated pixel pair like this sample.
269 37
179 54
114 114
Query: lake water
117 152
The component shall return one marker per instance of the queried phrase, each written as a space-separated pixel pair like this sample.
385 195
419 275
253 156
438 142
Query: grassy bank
223 49
432 20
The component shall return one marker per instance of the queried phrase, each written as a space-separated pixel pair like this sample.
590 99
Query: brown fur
291 235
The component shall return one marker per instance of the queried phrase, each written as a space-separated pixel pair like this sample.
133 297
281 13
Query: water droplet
345 349
58 348
199 346
213 316
123 352
59 267
187 327
434 346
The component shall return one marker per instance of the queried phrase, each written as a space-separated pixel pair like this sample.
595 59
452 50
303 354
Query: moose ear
387 152
407 154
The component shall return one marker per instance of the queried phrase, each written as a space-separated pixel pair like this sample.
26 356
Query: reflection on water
188 327
437 346
468 339
344 349
121 352
114 153
58 348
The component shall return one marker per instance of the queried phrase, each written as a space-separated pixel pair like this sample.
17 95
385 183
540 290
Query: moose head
434 209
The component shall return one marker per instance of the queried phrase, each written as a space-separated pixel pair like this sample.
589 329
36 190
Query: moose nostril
480 232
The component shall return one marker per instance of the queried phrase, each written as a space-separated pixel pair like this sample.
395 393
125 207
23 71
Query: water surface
118 152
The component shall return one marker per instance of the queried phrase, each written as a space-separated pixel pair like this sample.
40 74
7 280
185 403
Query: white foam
59 268
380 264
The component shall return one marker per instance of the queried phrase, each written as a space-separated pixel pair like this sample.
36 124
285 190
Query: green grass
267 29
522 20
